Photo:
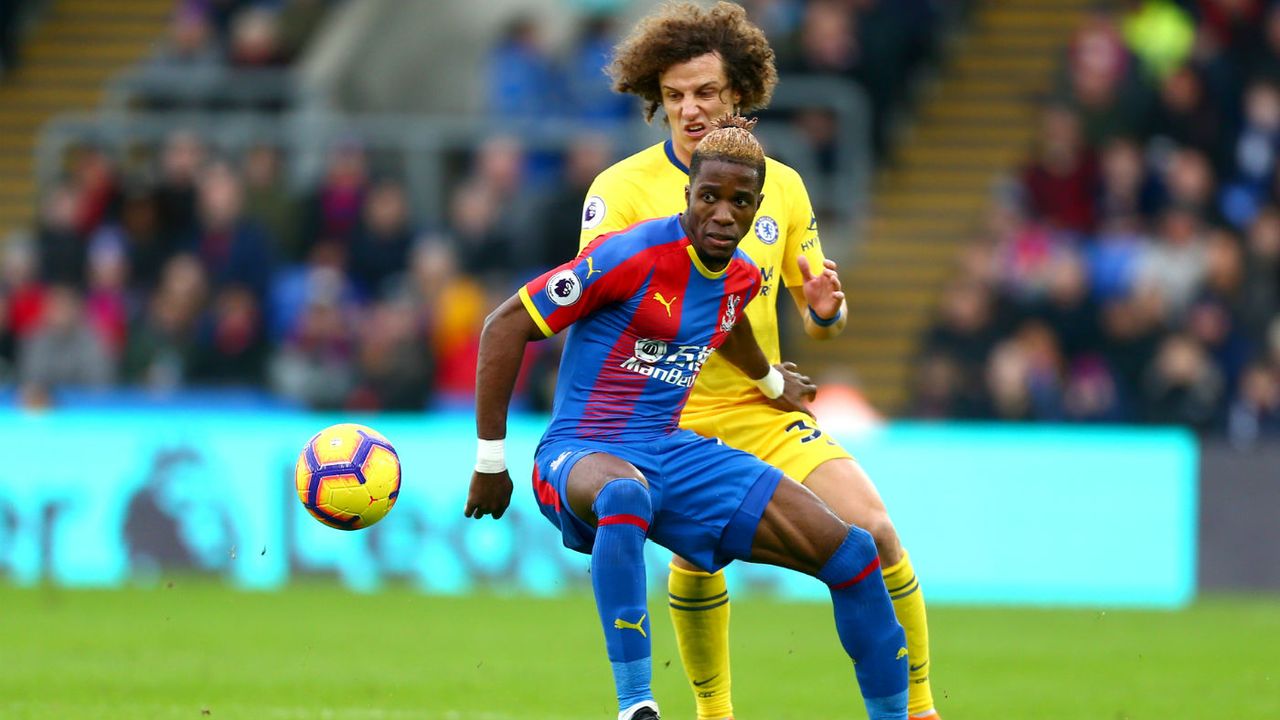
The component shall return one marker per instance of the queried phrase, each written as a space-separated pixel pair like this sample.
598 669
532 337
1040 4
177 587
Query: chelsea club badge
767 229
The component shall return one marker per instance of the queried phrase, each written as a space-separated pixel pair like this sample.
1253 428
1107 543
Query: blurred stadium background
227 223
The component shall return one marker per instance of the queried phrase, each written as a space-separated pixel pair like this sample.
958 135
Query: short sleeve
565 294
757 282
607 207
802 231
746 279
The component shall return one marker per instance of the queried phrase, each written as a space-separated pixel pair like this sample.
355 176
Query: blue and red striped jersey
645 315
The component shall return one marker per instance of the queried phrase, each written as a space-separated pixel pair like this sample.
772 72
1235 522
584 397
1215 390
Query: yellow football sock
908 605
700 614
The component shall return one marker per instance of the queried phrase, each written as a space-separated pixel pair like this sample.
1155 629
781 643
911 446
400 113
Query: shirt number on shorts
804 427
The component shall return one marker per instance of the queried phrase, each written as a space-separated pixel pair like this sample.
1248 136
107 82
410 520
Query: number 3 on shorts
804 427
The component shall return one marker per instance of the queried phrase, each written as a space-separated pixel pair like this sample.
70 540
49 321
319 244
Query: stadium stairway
975 122
67 59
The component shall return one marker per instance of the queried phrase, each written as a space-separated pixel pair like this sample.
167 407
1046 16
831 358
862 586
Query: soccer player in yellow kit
697 65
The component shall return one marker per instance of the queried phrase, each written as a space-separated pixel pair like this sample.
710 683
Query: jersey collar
670 149
702 269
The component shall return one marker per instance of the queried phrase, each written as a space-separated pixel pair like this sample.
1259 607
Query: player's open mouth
696 130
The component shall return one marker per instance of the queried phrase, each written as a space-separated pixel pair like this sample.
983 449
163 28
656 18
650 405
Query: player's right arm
607 207
506 332
546 305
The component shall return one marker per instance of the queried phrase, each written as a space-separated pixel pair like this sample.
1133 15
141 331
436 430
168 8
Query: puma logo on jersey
665 302
591 267
902 652
638 626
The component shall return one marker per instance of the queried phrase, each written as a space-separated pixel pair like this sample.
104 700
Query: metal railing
213 88
847 187
424 146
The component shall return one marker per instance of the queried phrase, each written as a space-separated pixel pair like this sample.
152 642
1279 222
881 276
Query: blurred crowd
215 272
238 33
882 45
189 265
1130 272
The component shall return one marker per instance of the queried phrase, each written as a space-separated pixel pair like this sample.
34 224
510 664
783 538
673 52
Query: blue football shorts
707 497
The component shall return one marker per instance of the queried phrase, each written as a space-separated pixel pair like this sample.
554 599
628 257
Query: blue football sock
624 512
867 627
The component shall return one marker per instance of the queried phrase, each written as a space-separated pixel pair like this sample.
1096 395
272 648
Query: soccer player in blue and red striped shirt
645 307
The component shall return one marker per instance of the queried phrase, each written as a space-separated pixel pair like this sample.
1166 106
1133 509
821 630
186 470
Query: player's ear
759 200
686 196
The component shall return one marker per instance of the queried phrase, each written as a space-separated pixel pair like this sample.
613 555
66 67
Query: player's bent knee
852 562
882 531
589 477
624 498
797 531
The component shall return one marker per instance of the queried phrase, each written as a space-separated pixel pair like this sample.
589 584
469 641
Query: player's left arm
810 277
820 299
785 387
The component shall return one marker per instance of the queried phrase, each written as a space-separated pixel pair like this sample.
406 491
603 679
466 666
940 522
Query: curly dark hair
682 31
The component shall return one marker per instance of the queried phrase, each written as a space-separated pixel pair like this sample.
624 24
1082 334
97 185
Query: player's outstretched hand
490 494
822 291
797 390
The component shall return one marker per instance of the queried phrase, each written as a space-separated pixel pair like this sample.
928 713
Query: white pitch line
20 710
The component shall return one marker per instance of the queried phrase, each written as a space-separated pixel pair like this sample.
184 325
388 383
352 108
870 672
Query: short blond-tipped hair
730 141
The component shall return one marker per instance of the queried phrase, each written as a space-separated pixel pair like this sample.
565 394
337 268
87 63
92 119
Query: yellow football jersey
651 184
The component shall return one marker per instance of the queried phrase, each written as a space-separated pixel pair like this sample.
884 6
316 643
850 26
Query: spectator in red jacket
1061 182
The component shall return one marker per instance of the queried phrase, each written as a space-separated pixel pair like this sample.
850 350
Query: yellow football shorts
789 441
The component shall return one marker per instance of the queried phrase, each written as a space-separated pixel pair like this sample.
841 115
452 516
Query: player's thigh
794 443
710 500
589 475
797 530
684 564
847 489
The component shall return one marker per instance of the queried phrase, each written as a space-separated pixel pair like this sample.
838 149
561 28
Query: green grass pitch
193 649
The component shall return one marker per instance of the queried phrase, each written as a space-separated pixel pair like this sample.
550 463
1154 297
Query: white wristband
772 384
491 456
